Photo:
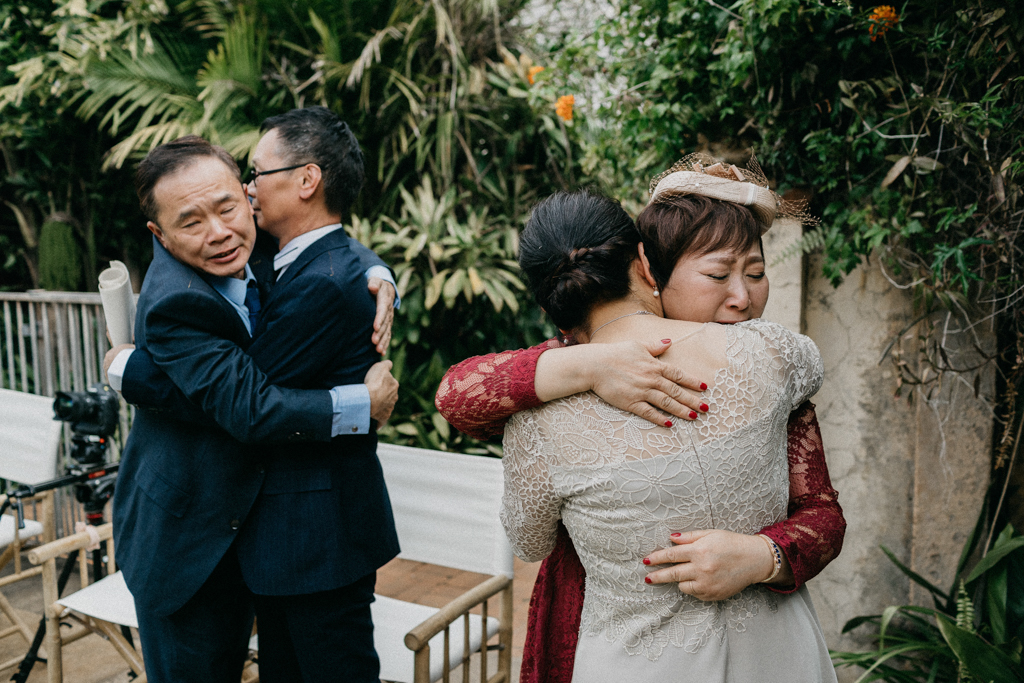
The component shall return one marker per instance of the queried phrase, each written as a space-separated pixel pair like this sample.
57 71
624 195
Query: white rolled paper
118 303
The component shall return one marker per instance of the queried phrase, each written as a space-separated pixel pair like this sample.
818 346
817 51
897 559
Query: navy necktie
252 302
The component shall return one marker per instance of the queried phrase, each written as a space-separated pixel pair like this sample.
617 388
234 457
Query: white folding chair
446 509
102 607
29 453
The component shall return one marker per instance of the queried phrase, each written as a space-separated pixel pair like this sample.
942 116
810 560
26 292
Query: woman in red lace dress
479 395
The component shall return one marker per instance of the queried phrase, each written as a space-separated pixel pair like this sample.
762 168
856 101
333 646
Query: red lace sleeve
813 534
480 394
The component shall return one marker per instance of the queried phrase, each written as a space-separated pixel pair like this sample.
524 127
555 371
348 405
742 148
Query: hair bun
576 251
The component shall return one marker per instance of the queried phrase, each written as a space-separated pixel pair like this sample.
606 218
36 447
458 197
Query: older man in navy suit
303 523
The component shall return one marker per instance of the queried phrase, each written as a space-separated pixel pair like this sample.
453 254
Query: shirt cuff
384 273
115 373
351 409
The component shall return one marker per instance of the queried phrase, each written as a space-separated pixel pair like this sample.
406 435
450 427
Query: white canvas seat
107 600
392 619
29 454
8 526
446 510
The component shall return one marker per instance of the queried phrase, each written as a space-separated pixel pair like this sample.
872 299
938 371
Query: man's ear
155 229
248 198
311 178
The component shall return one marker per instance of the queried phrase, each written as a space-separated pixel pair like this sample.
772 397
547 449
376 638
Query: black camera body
94 416
95 412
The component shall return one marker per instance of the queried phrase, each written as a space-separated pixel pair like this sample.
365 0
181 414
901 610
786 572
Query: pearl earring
656 292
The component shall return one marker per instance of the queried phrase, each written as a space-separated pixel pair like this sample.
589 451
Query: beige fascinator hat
701 174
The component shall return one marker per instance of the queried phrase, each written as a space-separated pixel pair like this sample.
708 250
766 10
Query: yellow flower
534 70
564 107
882 19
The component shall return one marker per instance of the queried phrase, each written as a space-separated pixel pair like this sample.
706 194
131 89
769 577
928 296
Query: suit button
235 524
355 429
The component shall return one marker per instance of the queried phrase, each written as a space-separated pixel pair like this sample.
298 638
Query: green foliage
60 259
51 158
459 284
974 632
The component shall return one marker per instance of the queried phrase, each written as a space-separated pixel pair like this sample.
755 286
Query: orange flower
882 19
564 107
534 70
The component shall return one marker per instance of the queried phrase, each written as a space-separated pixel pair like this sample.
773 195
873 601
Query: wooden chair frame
12 553
54 612
418 639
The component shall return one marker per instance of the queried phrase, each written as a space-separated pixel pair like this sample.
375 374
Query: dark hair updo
677 225
576 252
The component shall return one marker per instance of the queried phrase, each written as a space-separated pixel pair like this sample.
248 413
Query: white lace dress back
622 485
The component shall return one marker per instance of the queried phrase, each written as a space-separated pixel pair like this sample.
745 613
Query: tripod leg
32 656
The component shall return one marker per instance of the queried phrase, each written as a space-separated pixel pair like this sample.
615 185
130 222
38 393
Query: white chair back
446 508
29 437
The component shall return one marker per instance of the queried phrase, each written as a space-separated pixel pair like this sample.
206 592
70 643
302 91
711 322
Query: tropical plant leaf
995 555
983 661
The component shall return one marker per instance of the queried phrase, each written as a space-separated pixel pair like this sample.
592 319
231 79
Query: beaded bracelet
776 557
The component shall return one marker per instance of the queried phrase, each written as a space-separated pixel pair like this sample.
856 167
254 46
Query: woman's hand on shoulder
712 564
630 376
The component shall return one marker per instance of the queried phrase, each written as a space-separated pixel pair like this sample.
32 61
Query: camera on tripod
94 417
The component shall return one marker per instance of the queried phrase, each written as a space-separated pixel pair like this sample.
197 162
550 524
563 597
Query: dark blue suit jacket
309 513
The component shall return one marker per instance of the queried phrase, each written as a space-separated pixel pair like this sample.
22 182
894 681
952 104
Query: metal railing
50 342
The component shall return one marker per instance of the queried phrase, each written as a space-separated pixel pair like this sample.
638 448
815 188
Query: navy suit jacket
309 513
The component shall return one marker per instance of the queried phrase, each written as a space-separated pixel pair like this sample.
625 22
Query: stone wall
910 474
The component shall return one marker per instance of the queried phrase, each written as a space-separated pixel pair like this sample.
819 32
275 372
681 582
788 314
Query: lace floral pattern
622 485
646 626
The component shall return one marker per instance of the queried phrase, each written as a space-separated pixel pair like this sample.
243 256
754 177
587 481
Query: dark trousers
326 636
207 639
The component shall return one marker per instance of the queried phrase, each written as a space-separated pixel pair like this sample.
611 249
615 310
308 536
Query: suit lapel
174 271
335 240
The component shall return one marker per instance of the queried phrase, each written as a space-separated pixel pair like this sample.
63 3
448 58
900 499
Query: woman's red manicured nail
693 415
646 561
704 407
647 579
703 386
675 535
668 423
666 341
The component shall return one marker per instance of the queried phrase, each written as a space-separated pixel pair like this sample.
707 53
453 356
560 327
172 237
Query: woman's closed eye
756 276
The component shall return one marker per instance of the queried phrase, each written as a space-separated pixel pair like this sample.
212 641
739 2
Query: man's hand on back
383 391
382 322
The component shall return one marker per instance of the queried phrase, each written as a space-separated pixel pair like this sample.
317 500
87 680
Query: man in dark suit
304 524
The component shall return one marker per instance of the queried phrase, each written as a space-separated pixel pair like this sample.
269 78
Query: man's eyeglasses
254 174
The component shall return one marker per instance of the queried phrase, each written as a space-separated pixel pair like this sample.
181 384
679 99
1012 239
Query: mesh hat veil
702 174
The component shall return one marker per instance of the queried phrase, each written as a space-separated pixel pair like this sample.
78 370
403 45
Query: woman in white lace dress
623 486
